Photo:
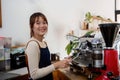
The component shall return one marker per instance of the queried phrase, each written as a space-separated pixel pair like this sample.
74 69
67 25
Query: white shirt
33 53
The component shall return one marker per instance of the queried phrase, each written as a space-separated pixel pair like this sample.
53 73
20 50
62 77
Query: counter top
76 75
5 75
59 74
21 71
72 75
11 75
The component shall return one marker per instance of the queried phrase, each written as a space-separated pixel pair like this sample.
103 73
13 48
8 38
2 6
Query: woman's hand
62 64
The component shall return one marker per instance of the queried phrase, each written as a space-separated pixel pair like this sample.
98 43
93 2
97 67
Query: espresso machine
110 69
98 55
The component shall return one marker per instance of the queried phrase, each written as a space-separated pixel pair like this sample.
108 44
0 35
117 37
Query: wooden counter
66 74
60 74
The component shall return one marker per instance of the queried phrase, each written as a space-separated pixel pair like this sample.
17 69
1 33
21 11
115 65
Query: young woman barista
37 51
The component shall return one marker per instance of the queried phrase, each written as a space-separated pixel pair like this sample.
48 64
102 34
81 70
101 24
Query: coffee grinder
110 69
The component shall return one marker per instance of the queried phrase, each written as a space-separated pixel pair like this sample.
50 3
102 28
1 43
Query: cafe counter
67 74
59 74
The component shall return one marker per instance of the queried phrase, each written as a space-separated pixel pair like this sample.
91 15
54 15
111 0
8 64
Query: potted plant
75 42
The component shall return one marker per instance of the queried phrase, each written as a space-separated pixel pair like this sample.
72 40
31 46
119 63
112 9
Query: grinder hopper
109 32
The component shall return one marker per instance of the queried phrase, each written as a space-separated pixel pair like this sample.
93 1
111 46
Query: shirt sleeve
33 53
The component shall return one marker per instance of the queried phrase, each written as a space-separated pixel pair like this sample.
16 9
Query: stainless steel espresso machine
98 55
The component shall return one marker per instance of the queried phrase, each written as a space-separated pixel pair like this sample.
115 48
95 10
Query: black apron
45 61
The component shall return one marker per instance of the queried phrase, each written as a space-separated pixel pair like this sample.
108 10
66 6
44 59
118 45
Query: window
117 10
0 15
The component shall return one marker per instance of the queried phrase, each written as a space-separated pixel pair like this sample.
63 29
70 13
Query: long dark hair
33 17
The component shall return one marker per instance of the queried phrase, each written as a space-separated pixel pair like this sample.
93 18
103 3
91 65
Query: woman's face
40 27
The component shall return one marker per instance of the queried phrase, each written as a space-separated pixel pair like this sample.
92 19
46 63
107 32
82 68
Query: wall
63 16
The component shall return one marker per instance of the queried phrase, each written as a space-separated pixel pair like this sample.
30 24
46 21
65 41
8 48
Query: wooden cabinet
58 75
